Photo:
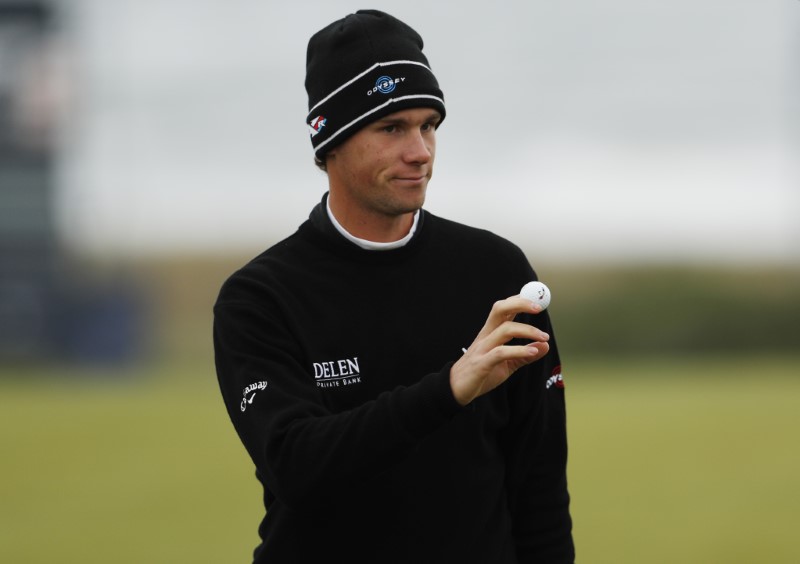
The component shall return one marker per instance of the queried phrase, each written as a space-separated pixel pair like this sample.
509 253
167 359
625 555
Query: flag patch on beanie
316 125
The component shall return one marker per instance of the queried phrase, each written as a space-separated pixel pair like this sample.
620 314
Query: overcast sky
580 129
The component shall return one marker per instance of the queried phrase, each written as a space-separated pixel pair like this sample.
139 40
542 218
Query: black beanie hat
361 68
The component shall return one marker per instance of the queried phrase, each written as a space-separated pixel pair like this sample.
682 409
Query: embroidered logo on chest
337 373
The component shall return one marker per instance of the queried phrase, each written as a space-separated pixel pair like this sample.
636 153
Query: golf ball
537 293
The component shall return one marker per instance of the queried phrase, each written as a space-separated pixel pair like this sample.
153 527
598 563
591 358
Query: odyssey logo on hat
385 85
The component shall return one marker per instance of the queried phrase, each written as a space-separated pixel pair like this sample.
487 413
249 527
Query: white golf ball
537 293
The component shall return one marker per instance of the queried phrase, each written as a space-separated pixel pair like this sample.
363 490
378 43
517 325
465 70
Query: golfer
400 401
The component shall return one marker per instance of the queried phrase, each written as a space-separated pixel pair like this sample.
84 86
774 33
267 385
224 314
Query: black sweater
334 363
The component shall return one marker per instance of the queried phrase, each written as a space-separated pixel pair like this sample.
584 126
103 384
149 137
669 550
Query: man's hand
489 361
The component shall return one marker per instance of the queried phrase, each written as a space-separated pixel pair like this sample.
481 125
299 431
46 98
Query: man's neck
390 239
370 226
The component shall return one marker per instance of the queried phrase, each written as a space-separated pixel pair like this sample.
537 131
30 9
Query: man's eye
390 128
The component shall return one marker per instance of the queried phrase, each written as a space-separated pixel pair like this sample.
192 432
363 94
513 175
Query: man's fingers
524 354
503 310
506 310
509 330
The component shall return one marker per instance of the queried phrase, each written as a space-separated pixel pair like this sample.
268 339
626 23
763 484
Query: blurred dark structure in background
51 309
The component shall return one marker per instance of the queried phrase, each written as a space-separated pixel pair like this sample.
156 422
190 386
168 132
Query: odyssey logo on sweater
336 373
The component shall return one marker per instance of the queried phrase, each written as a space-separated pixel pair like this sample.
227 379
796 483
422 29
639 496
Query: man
389 419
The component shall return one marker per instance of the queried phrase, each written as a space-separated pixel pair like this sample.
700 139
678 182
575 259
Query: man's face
384 168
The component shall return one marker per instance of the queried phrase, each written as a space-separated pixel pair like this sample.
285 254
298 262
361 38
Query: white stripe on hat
372 111
370 69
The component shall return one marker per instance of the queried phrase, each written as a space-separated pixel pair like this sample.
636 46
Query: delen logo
336 373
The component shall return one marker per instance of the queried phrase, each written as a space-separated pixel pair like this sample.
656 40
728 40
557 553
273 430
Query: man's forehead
412 114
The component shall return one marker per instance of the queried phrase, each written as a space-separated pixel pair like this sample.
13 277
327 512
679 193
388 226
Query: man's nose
418 148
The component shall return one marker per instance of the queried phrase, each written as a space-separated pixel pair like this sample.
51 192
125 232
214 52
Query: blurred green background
683 388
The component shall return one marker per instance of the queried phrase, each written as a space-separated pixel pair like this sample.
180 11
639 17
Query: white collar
372 245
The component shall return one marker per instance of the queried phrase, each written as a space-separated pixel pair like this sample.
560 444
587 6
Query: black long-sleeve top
333 362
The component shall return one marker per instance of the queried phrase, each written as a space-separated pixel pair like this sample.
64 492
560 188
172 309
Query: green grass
686 462
681 461
123 472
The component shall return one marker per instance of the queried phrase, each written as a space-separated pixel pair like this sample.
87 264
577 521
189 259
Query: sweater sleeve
536 453
299 446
